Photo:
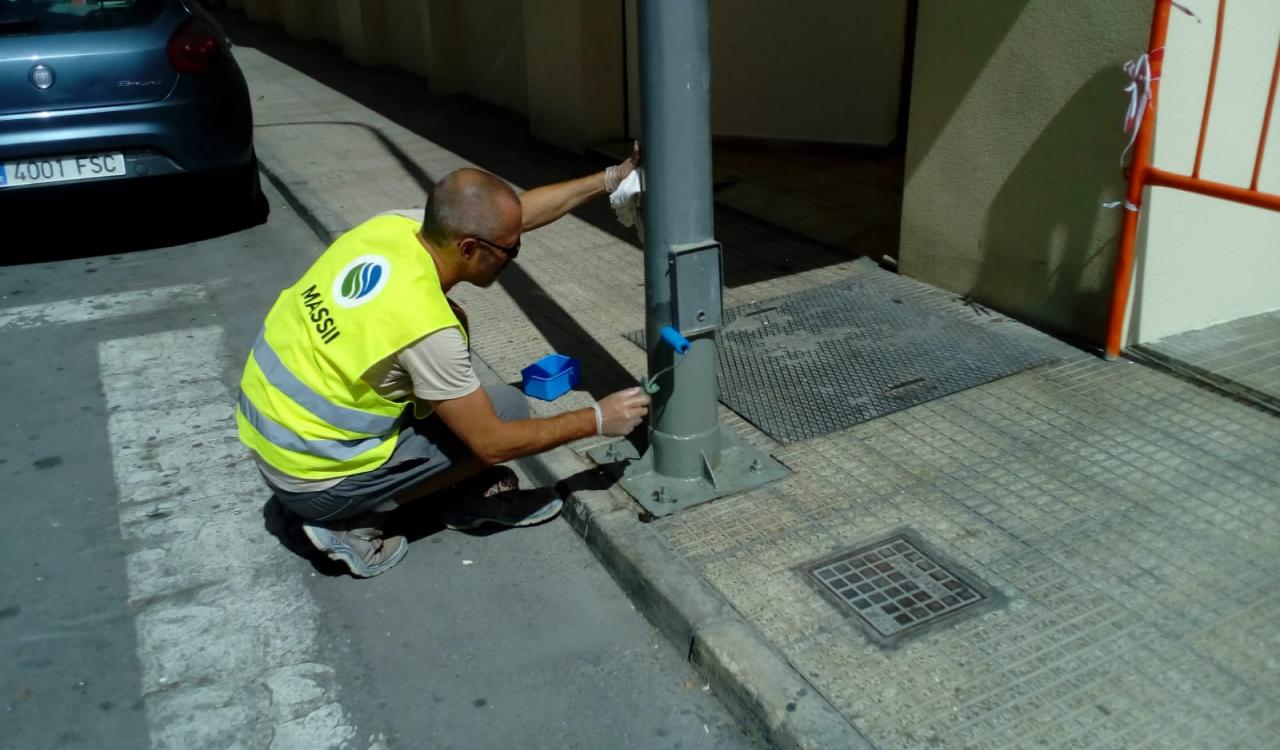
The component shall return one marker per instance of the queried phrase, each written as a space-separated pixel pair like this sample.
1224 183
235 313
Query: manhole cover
898 586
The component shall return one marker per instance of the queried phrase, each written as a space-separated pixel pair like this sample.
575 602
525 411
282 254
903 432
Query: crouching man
359 395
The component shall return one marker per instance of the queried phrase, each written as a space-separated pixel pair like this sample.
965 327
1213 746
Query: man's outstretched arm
545 204
473 419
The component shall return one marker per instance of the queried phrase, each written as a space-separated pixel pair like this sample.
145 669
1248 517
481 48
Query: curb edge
763 691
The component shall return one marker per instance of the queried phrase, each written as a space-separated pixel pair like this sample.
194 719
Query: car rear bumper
132 199
172 136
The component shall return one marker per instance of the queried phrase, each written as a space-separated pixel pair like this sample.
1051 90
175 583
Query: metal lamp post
691 457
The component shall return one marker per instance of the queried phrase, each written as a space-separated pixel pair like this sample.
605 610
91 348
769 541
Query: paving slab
1128 519
1240 357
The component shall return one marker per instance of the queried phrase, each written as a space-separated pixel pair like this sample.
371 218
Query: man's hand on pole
543 205
620 412
613 176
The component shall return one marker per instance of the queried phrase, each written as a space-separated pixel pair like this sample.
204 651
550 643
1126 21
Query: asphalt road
151 598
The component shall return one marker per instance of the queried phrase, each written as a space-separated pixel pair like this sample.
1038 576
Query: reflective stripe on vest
352 420
283 437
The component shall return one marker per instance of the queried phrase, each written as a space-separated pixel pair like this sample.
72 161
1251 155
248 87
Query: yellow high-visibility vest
304 406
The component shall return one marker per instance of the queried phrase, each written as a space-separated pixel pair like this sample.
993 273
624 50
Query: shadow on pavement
286 527
414 522
419 519
564 333
598 479
87 221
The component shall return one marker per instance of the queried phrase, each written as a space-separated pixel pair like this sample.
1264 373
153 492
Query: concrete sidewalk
1126 521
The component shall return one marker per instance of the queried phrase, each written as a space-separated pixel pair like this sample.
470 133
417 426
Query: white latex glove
613 176
618 414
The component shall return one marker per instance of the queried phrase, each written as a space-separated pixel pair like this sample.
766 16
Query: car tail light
193 46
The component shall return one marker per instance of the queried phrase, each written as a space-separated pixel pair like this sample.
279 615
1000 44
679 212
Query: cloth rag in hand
626 199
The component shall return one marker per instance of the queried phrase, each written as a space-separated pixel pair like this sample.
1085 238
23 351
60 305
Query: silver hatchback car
114 91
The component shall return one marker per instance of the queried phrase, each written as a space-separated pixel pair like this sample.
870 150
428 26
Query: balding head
470 202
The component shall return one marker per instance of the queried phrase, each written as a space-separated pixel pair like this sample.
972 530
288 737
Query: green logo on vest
361 280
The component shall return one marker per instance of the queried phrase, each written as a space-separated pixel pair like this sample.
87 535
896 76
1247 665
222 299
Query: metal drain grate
896 587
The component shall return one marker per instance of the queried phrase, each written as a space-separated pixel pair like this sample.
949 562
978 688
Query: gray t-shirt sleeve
439 365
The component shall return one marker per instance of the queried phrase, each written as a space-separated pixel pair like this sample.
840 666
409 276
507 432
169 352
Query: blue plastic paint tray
551 377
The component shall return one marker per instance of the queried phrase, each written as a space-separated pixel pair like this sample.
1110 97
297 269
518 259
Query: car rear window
33 17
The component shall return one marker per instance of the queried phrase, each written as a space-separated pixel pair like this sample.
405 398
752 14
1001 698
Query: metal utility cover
897 587
829 358
697 281
836 356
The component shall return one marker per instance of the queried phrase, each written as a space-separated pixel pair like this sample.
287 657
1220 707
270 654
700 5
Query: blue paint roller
679 344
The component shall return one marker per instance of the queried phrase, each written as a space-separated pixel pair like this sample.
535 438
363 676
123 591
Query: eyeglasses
511 252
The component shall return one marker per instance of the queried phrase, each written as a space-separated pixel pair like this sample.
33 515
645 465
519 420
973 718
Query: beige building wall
262 11
575 70
1014 144
1204 260
407 35
365 31
443 45
809 70
492 40
329 20
814 70
299 18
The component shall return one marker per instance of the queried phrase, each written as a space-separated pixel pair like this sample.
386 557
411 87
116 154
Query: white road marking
226 627
102 306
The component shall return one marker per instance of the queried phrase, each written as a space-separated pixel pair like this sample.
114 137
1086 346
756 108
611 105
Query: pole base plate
741 468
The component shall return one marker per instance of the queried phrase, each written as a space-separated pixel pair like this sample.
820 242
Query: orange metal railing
1142 173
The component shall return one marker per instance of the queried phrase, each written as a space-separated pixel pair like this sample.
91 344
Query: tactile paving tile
812 363
894 587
